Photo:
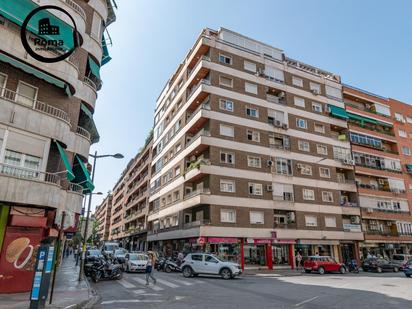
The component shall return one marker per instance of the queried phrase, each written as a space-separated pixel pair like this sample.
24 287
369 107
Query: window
408 118
274 74
330 221
210 259
197 257
257 217
252 112
402 133
296 81
311 221
305 169
283 166
322 149
308 194
228 215
301 123
255 188
178 147
29 162
324 172
225 81
406 150
327 196
227 157
317 107
227 130
249 66
251 88
365 140
225 59
320 128
253 136
303 145
299 102
254 161
399 117
177 171
26 94
226 105
227 186
3 79
314 87
333 92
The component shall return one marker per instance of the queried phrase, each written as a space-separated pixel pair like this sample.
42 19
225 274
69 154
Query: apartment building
46 129
250 160
103 214
381 141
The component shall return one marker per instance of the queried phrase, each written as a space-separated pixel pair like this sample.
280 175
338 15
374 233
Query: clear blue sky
367 42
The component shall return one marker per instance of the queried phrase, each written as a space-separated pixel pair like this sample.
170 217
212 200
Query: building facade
103 215
46 129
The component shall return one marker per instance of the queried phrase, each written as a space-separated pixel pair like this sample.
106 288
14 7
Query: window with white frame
252 112
311 221
327 196
296 81
301 123
303 146
227 130
255 188
274 74
251 88
317 107
314 87
402 133
330 221
30 163
333 92
399 117
228 215
408 118
26 94
283 166
249 66
308 194
177 171
320 128
227 185
324 172
305 169
227 157
225 59
226 105
299 101
253 135
321 149
406 150
225 81
257 217
253 161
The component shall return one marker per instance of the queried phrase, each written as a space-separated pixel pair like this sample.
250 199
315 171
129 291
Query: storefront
386 250
226 248
282 253
308 248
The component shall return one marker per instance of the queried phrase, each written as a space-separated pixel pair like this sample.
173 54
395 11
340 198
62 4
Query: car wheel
308 271
321 271
395 269
168 269
187 272
408 275
342 270
225 273
379 269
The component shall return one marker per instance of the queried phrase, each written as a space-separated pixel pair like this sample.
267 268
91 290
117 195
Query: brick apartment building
103 215
46 129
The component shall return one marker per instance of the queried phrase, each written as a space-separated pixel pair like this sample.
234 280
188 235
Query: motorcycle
160 263
170 266
352 266
102 269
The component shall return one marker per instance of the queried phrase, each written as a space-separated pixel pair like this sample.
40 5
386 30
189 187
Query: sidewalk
68 291
272 272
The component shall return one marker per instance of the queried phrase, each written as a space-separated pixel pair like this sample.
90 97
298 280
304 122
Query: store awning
82 176
94 68
87 123
409 168
63 156
338 112
17 11
106 57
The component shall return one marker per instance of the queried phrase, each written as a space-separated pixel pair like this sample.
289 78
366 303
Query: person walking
299 261
149 268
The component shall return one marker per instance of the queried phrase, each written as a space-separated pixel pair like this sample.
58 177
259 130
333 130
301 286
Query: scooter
352 266
102 269
171 266
160 263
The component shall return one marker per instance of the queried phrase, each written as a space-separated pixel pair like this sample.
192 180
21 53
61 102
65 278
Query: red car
323 264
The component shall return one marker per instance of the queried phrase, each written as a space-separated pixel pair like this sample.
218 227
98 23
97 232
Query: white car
135 262
209 264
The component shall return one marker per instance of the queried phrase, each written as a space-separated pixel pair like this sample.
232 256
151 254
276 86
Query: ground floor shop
384 249
136 242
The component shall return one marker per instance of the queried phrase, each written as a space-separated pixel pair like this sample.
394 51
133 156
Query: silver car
135 262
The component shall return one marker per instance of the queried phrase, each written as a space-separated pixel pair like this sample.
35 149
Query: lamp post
95 156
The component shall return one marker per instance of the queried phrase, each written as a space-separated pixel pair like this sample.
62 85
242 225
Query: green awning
86 121
63 156
105 58
17 11
362 119
82 176
94 68
86 111
338 112
409 168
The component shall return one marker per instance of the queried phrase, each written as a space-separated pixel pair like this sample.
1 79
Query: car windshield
138 257
94 252
120 252
110 247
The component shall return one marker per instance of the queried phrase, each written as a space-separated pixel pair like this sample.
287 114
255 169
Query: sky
368 43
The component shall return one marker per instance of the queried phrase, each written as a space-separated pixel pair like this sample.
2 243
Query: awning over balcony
338 112
63 156
17 11
82 175
409 168
94 68
86 121
106 57
362 119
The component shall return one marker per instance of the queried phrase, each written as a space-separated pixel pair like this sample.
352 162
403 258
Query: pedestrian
149 268
299 261
180 258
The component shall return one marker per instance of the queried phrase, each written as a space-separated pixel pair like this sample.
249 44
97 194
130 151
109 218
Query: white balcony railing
83 132
75 7
91 83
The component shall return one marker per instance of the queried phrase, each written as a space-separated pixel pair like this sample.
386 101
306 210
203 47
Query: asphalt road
364 290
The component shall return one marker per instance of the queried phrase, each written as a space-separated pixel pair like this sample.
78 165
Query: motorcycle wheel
168 269
96 277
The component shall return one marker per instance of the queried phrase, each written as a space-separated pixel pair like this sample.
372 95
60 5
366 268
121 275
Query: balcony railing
83 132
203 58
349 204
195 223
380 188
91 83
200 107
75 7
381 168
202 132
275 99
15 97
197 192
197 164
200 83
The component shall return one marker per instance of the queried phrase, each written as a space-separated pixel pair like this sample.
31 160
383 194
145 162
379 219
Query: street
387 290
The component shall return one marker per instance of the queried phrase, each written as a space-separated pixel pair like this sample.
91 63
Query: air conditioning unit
277 123
281 95
269 188
270 163
369 210
284 126
355 219
315 91
291 216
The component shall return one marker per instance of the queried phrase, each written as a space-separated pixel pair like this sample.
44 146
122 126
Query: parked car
323 264
407 269
209 264
379 265
135 262
401 260
119 255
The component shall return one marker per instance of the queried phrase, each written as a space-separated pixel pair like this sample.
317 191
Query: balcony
196 193
83 132
90 83
380 188
196 223
202 132
194 88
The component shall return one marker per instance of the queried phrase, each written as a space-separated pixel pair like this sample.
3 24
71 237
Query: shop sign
250 240
225 240
201 241
284 241
352 227
263 241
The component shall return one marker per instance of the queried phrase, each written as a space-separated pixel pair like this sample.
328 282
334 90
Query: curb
89 303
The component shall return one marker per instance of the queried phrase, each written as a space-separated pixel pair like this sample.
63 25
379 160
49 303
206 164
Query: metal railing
202 132
75 7
195 223
91 83
200 107
15 97
197 192
83 132
203 58
194 88
24 173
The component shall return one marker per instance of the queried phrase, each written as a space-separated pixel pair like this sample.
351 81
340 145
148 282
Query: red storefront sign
284 241
17 259
263 241
225 240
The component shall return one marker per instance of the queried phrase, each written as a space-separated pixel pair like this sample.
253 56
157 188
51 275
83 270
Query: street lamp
95 156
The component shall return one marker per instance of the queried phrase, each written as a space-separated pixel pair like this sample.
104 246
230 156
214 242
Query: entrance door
255 254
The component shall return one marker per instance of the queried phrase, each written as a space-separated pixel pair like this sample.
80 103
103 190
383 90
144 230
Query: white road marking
268 275
167 283
125 284
306 301
108 302
153 287
182 282
179 297
139 291
199 281
143 293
